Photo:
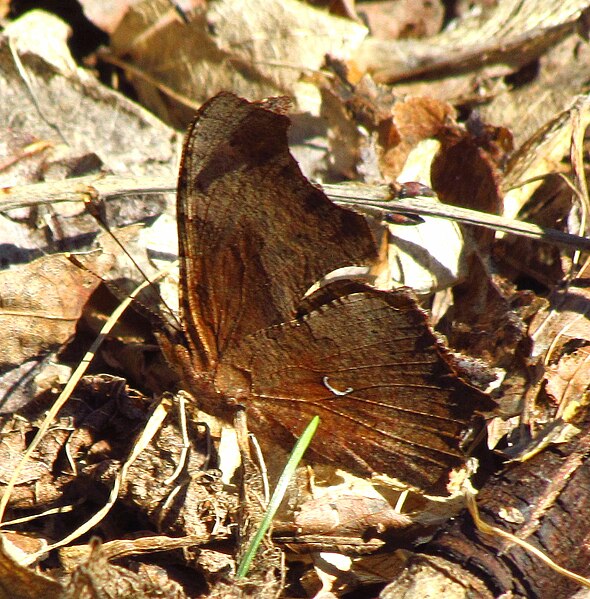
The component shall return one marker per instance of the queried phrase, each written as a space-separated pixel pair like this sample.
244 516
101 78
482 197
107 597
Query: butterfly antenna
95 211
116 289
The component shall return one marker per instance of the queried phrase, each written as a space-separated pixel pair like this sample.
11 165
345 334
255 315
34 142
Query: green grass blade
278 494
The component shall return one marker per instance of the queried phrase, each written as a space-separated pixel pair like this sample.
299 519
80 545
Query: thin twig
375 200
494 531
370 199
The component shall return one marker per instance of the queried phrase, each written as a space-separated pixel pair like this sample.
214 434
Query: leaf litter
504 117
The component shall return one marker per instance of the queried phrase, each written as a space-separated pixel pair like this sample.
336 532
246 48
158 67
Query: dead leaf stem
370 199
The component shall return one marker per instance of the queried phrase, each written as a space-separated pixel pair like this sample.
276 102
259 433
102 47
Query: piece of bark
544 501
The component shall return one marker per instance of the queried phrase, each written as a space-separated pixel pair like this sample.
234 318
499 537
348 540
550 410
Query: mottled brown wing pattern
371 368
254 234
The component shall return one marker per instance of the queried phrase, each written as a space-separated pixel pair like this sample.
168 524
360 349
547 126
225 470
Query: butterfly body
254 236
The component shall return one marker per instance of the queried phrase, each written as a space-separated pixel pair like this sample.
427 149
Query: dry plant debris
485 103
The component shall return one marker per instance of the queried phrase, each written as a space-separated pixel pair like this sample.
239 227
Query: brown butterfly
254 236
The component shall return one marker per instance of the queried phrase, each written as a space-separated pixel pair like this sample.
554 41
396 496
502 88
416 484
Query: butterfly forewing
248 220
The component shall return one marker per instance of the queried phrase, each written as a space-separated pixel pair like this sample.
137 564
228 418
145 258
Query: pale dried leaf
105 14
51 46
564 320
394 19
41 303
78 120
511 35
348 512
255 48
20 581
416 255
547 151
568 380
542 153
562 73
68 105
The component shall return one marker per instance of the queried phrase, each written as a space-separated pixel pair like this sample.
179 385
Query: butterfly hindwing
371 368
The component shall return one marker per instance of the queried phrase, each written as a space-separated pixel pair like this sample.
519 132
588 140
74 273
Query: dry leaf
64 104
97 575
106 14
68 105
561 334
568 380
511 35
41 304
21 581
415 119
542 91
416 256
395 19
257 48
541 154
